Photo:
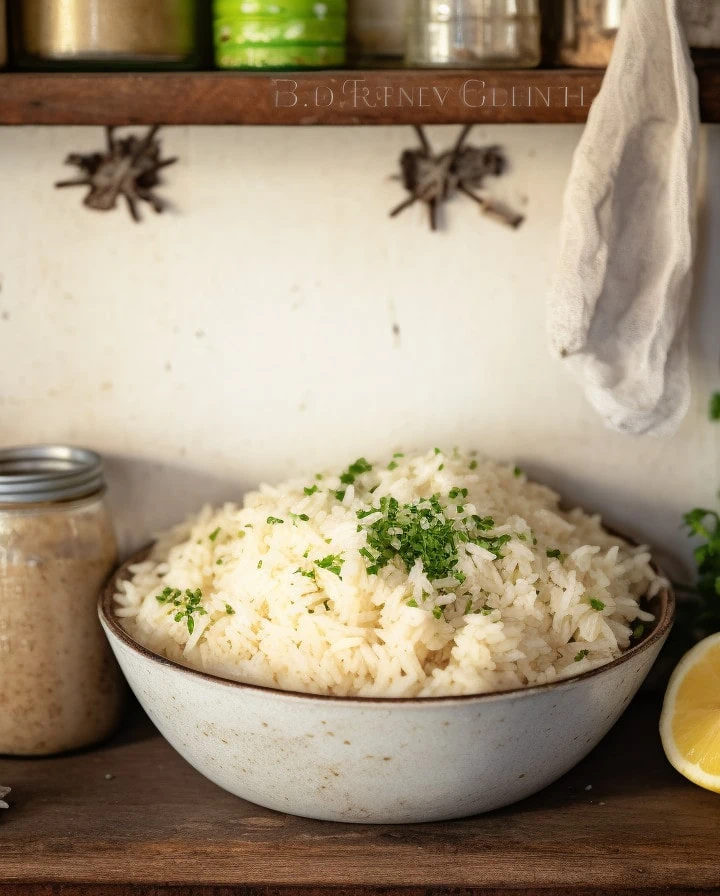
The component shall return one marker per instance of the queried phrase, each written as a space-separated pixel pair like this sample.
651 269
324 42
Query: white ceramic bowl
381 761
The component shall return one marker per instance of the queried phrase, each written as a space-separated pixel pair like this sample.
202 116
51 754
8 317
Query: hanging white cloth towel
618 310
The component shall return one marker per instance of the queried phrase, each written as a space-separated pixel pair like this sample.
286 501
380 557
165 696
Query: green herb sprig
705 524
332 563
714 410
184 604
423 531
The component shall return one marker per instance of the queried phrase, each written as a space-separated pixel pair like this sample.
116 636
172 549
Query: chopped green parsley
311 490
437 612
274 521
214 535
412 603
638 631
184 604
332 563
229 610
596 604
517 472
581 655
423 531
354 470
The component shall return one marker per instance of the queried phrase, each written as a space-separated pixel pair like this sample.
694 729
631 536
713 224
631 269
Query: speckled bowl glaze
381 761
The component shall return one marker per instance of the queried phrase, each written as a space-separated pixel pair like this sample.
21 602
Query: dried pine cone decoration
129 168
433 179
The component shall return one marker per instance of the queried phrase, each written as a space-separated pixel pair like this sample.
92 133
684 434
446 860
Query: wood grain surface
157 826
306 98
313 98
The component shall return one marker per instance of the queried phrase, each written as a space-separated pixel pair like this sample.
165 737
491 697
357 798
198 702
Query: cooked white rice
286 598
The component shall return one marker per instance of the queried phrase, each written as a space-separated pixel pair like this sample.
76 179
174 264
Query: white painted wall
248 334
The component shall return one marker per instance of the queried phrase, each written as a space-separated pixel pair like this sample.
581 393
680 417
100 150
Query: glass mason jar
60 688
280 34
124 34
473 33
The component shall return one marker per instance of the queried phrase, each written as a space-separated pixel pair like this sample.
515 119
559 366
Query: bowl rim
665 620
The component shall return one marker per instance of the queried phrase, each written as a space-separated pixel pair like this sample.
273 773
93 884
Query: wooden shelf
312 98
156 826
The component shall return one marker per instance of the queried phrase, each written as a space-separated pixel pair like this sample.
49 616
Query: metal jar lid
41 473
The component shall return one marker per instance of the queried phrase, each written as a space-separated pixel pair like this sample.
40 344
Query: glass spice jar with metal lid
584 31
60 688
583 34
107 34
473 33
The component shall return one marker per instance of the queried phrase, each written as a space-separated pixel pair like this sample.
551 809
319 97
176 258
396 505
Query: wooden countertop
133 818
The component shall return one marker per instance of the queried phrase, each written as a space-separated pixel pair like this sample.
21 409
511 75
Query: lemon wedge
690 720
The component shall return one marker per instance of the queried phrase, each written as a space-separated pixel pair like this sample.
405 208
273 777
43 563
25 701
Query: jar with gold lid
97 34
60 688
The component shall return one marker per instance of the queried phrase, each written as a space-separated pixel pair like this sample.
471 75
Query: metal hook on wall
435 179
129 168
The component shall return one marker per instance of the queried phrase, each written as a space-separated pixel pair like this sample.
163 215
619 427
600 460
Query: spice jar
702 23
377 30
587 32
585 36
473 33
106 33
59 686
280 34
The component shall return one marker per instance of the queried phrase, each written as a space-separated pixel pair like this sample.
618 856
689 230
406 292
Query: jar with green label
280 34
